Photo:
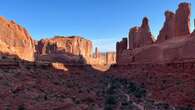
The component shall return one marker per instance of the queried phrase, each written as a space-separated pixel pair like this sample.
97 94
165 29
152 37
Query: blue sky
103 21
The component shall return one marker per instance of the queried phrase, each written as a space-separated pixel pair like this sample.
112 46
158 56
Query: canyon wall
174 42
74 45
71 50
15 40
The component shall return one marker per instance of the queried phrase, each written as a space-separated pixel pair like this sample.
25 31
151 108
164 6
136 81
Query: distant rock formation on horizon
72 50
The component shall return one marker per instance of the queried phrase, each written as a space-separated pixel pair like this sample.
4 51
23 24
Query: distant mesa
174 42
71 50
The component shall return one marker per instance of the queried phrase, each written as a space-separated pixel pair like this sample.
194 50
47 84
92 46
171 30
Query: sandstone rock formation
140 36
97 53
74 45
72 50
110 57
168 30
173 43
64 49
182 16
120 46
15 40
103 58
176 25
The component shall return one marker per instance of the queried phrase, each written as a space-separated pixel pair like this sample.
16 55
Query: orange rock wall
72 50
15 40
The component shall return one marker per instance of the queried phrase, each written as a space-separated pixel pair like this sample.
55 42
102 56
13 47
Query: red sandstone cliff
174 43
64 49
74 45
120 47
71 50
176 25
182 20
15 40
140 36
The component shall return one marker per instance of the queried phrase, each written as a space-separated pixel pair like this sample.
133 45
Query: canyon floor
36 86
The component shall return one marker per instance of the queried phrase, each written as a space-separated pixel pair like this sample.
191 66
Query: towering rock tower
182 20
176 25
120 46
140 36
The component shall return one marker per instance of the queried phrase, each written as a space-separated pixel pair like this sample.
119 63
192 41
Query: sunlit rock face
73 48
110 57
74 45
103 58
15 40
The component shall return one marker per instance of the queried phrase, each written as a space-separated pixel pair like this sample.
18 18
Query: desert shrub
136 90
21 107
111 90
189 107
131 87
108 107
140 92
111 100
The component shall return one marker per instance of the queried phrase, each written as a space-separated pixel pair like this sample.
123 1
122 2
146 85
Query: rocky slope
29 86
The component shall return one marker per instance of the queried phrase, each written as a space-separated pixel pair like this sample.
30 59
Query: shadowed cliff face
15 40
140 36
174 43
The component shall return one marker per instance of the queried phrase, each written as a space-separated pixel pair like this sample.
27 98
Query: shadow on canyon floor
62 57
37 85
